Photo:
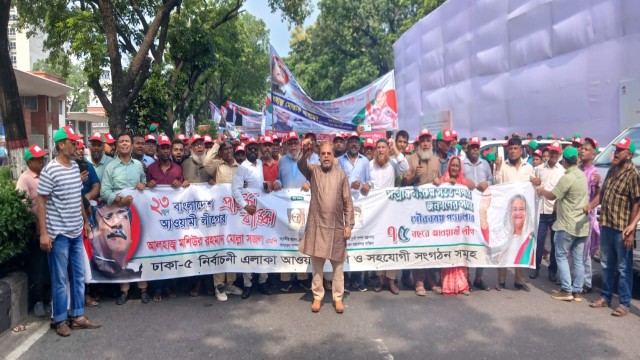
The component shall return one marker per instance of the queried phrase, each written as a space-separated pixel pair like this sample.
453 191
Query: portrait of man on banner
115 233
297 218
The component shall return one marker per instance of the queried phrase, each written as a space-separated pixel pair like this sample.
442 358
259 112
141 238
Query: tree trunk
10 105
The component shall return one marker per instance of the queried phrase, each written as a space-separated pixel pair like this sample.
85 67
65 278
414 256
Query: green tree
350 44
73 75
127 37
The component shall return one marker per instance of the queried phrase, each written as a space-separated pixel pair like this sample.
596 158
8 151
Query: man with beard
477 170
122 173
177 151
515 169
195 172
587 153
356 166
62 221
150 148
290 177
329 224
97 156
109 145
424 168
269 165
547 175
369 148
619 201
249 175
277 147
384 172
338 145
224 166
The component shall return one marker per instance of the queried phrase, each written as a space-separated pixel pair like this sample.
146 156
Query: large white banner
170 233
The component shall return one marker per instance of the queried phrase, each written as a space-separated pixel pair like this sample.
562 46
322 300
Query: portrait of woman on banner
513 242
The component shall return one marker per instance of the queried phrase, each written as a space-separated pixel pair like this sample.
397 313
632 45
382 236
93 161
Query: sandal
420 291
600 303
19 328
436 289
89 301
195 293
620 311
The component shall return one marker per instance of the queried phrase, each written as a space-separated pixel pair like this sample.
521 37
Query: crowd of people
80 176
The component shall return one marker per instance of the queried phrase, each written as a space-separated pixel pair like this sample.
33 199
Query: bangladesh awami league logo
398 234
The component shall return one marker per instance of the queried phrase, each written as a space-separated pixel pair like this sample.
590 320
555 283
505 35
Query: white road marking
20 350
383 350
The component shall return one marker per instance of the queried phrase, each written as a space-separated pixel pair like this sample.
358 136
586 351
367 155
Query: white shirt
549 176
385 176
509 173
248 174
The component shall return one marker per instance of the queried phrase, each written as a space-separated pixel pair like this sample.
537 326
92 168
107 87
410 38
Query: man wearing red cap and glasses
62 219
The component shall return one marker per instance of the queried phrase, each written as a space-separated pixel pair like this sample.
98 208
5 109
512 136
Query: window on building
60 107
106 75
12 31
12 45
30 102
13 17
14 59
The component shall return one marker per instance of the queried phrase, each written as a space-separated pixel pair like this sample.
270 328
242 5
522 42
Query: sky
278 29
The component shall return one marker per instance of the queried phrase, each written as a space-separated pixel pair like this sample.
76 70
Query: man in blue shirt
356 166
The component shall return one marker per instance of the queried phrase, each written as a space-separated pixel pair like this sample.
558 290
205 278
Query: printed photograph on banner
358 218
297 218
114 238
508 225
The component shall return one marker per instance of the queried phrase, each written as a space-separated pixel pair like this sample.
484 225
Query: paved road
486 325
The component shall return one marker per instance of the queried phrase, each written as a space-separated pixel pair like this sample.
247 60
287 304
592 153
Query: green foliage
16 221
351 43
60 64
151 104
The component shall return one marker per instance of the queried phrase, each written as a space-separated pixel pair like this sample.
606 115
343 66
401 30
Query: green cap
570 152
533 144
490 157
459 147
439 135
65 133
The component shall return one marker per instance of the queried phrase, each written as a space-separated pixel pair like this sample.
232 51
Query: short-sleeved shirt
28 183
101 165
174 172
63 188
619 192
270 172
572 195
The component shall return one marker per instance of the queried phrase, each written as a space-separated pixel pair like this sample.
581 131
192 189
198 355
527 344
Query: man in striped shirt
61 225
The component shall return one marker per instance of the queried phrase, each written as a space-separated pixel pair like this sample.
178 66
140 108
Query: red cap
353 135
593 142
577 141
243 137
267 140
424 132
555 146
109 139
454 134
208 139
181 137
194 138
447 135
474 140
626 144
80 144
34 151
149 138
240 148
338 136
251 141
291 136
96 137
275 138
164 140
409 149
369 143
537 152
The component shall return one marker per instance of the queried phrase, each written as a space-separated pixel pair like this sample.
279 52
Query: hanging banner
290 108
169 233
249 120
